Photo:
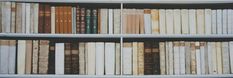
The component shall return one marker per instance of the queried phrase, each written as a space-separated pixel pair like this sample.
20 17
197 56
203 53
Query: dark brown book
75 58
61 22
148 60
78 22
69 19
68 68
47 19
65 19
83 24
41 18
51 59
57 24
155 56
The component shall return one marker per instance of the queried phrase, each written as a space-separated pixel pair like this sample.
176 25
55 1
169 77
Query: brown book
68 68
69 19
18 18
65 19
75 58
141 23
57 18
51 59
43 56
156 58
41 18
148 59
47 19
82 19
61 22
78 23
28 56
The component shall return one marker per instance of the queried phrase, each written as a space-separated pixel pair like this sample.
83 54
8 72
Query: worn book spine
43 56
162 21
61 19
94 21
47 19
35 56
51 58
207 21
100 58
224 21
192 21
147 21
219 21
210 60
200 20
68 62
82 58
78 20
162 58
176 58
229 21
193 58
137 22
18 18
103 23
140 58
65 19
170 21
82 21
182 57
88 21
155 21
170 58
53 21
59 58
28 57
167 57
135 58
187 58
184 21
41 18
214 22
141 22
75 58
177 21
148 59
198 59
28 18
156 59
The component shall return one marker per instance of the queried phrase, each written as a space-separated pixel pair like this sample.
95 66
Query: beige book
187 58
82 58
43 56
207 21
219 57
198 57
133 21
193 58
36 16
99 58
110 58
200 21
118 58
137 21
124 20
53 20
214 21
225 58
170 21
182 57
117 21
177 21
147 21
167 57
21 56
203 58
141 23
28 57
214 57
155 21
162 21
35 56
135 58
184 21
171 58
91 58
140 58
176 50
103 23
162 58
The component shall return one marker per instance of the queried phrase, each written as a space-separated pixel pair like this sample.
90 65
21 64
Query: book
68 57
207 21
53 21
182 57
192 21
74 30
224 21
43 56
200 17
210 57
155 21
59 58
162 21
214 57
148 59
187 58
51 58
170 58
21 56
231 55
219 57
75 58
176 50
219 22
203 58
28 18
4 59
69 19
156 59
177 21
147 21
35 57
193 58
198 57
82 59
94 21
118 58
214 22
88 21
229 23
141 23
225 58
110 21
57 18
40 18
162 58
117 21
82 21
127 59
135 58
91 58
169 21
103 19
28 56
185 21
140 58
100 52
78 20
110 58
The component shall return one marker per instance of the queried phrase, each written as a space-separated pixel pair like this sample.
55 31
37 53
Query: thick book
127 59
203 58
59 58
147 21
162 58
57 18
91 52
198 57
170 58
110 58
43 56
141 22
214 21
169 21
156 59
103 18
140 58
207 21
4 59
193 58
41 18
148 59
185 21
18 28
210 60
28 18
100 65
21 47
187 58
219 22
177 21
82 58
176 50
155 21
229 21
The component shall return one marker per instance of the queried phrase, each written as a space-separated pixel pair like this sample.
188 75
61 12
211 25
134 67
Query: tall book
200 17
198 58
41 18
170 58
82 58
155 21
185 21
28 18
91 58
35 52
21 52
141 22
82 20
88 21
203 58
18 28
127 59
74 30
78 20
214 22
162 58
193 58
100 58
187 58
117 21
110 21
225 58
214 57
28 57
59 58
182 57
140 58
53 21
170 21
176 50
109 58
135 58
229 19
68 62
177 21
103 19
231 55
162 21
192 21
210 59
156 59
207 21
69 19
147 21
148 59
43 56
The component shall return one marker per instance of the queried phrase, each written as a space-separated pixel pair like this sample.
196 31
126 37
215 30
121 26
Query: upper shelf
131 1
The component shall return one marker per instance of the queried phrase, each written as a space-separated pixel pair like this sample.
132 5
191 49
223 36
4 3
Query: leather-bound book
94 21
78 20
148 59
82 21
41 18
88 21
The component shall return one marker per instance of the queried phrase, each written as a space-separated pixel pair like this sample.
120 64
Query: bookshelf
122 37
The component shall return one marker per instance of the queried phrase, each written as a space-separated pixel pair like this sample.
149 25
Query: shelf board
93 36
120 76
130 1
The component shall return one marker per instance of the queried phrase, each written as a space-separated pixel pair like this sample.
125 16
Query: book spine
135 58
203 57
94 21
214 57
18 18
148 59
231 55
88 21
176 58
162 58
47 19
140 58
110 21
41 18
225 58
28 18
118 58
170 58
192 21
162 21
147 21
74 30
68 62
51 58
193 58
141 23
57 18
208 21
198 58
127 59
214 21
210 60
187 58
1 5
21 56
177 21
35 53
75 58
104 18
155 21
182 57
200 20
117 21
229 19
59 58
91 58
184 21
69 19
219 22
110 58
36 17
78 20
224 21
43 56
219 57
82 58
156 59
28 57
100 58
53 21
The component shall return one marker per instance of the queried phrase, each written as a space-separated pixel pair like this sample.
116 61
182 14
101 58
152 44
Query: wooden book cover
135 58
35 53
103 21
118 58
59 58
155 21
162 58
41 18
198 58
69 19
193 58
51 58
78 20
140 58
100 58
82 21
225 58
141 23
68 62
192 21
110 58
28 56
176 50
200 17
127 59
182 57
110 21
214 22
88 21
21 53
207 21
117 21
184 21
219 58
170 21
156 59
148 59
94 21
43 56
75 58
147 21
187 58
53 20
82 65
177 21
57 18
91 58
219 21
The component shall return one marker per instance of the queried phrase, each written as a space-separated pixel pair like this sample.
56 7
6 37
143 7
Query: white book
182 57
73 20
162 21
147 22
91 58
6 17
118 59
187 58
198 58
231 55
23 17
99 58
53 20
219 21
155 21
208 21
4 60
169 21
110 21
214 22
192 21
82 59
28 19
135 58
21 56
59 58
171 58
225 58
177 21
109 58
224 21
117 21
210 57
162 58
12 56
103 23
214 57
219 57
176 58
202 57
36 16
200 17
127 59
229 21
185 21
